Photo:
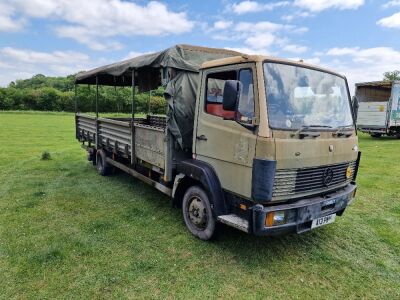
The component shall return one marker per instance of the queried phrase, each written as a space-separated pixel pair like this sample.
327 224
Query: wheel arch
192 172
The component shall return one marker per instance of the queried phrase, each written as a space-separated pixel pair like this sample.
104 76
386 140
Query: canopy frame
148 72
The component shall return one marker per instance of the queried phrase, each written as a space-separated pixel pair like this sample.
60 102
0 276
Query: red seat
217 110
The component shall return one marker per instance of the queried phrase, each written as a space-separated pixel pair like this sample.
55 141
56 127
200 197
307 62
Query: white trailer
378 108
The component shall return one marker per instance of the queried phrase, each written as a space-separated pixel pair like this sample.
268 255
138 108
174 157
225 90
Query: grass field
66 232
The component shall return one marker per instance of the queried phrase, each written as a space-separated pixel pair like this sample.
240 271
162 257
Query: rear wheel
197 213
91 156
103 168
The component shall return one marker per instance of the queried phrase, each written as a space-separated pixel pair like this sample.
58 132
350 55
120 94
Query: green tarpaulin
179 66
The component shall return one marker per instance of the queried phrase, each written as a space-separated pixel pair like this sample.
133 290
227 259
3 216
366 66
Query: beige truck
265 145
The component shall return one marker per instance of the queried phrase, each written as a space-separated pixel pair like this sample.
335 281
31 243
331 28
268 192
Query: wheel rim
197 213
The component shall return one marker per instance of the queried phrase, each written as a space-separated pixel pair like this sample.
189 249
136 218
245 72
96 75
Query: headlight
275 218
348 172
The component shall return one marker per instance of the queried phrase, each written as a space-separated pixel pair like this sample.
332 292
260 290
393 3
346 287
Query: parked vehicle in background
378 108
265 145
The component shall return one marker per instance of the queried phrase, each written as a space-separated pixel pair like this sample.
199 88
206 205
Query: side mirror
230 95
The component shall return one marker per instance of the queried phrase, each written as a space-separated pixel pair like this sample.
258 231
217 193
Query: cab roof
260 58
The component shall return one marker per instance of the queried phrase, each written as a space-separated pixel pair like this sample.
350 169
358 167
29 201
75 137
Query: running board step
235 221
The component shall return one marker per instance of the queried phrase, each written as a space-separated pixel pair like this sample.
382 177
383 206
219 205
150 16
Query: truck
378 108
268 146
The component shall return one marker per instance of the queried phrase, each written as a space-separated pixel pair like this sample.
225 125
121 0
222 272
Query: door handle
201 137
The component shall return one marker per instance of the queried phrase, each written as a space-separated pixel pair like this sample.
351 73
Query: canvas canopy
179 65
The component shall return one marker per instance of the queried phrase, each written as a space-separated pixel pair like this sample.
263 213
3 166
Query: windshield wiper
302 131
346 131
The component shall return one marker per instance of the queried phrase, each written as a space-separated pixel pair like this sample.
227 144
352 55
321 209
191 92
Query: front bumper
302 212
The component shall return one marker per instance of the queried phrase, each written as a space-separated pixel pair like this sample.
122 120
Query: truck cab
285 149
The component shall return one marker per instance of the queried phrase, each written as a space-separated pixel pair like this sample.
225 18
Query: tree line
57 94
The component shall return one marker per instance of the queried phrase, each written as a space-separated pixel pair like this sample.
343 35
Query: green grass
66 232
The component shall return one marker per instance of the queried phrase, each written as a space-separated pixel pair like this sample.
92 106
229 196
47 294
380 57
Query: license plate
323 221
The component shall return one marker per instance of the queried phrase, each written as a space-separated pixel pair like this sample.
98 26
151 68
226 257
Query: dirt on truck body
262 144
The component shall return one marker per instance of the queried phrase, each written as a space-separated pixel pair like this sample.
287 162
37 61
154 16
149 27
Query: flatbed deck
116 135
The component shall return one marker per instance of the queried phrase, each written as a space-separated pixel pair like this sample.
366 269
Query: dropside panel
85 128
149 145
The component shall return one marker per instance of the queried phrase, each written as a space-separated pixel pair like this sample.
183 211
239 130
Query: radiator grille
298 181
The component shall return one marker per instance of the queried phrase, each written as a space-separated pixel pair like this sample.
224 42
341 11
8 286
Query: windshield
298 97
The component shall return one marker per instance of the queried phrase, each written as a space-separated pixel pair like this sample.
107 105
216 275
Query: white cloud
342 51
254 6
24 63
8 22
363 64
262 37
56 57
134 54
320 5
95 23
375 55
295 48
260 27
296 15
260 40
222 25
86 37
313 61
390 22
393 3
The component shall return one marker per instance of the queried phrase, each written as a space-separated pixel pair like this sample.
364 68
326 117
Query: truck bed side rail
85 128
115 136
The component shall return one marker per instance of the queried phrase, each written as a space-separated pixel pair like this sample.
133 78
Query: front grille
289 182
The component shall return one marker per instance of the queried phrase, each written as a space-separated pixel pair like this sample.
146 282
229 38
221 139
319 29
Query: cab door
225 139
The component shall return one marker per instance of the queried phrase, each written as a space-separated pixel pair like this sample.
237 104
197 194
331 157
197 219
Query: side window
246 99
215 88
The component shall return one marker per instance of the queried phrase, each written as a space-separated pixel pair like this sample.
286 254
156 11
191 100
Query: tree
57 93
391 76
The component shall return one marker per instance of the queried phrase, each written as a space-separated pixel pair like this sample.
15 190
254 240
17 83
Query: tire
197 213
376 135
103 168
91 156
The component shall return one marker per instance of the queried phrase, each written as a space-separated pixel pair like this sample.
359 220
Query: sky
358 38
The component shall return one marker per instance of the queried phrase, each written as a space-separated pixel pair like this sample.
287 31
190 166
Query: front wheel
376 135
197 213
